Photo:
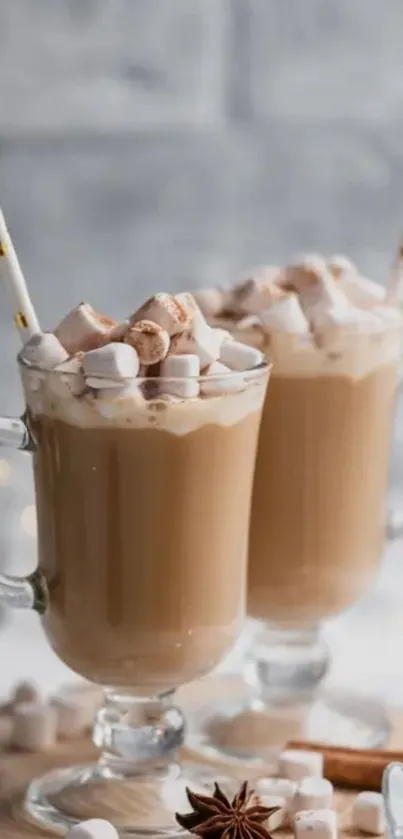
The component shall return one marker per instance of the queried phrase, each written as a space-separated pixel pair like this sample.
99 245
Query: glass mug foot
281 700
137 805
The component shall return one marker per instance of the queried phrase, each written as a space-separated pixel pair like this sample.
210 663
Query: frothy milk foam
319 492
143 496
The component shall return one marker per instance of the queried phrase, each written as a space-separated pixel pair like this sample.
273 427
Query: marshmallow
389 316
278 787
166 310
313 794
306 271
25 692
68 377
186 367
335 324
223 380
210 301
44 350
361 291
72 717
239 356
285 315
93 829
150 341
340 265
84 329
368 813
34 727
277 819
297 764
114 361
201 340
315 824
257 292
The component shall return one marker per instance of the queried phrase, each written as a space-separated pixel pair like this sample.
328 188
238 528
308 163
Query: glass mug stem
21 592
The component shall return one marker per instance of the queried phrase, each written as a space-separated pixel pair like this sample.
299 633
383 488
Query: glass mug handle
392 789
21 592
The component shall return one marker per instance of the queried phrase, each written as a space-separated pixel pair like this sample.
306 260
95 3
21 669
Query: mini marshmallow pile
305 799
30 724
322 300
168 338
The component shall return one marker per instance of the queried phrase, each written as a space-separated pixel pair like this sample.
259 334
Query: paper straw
13 278
394 293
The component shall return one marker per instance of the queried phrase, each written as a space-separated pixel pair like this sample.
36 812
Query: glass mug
316 537
392 789
143 514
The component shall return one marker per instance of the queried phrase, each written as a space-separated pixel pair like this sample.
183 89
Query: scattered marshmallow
297 764
84 329
218 379
239 356
72 717
113 361
177 367
93 829
278 818
25 692
35 727
150 341
44 350
285 315
278 787
210 301
313 794
166 310
368 813
315 824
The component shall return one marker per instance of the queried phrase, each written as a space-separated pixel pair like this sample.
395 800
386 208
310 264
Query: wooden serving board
17 769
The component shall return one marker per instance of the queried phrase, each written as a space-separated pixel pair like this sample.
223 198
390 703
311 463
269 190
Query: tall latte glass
143 512
318 511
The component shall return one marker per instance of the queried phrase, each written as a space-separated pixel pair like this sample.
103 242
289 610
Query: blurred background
160 144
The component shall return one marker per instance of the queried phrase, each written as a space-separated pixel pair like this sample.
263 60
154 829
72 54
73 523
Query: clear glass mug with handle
142 499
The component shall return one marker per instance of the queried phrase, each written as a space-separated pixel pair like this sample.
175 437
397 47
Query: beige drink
143 525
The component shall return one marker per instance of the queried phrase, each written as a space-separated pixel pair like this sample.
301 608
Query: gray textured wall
152 144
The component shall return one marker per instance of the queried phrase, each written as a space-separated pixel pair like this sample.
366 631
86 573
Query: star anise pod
216 817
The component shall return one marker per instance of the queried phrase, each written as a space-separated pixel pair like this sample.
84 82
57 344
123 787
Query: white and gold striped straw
13 279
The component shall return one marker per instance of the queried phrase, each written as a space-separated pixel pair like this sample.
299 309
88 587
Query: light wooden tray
17 769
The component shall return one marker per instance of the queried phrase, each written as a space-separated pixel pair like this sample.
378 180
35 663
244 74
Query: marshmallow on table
297 764
278 818
285 315
313 794
176 368
72 717
25 692
34 727
114 362
210 301
315 824
219 379
166 310
368 813
93 829
84 329
280 787
44 350
239 356
150 341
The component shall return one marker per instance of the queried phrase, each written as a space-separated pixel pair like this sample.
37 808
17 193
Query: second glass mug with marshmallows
316 538
143 513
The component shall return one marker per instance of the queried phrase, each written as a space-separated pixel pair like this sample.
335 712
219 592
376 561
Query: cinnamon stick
352 768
